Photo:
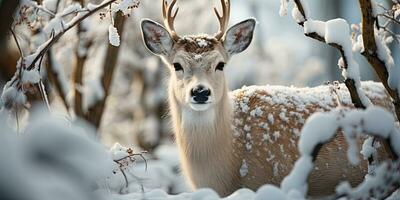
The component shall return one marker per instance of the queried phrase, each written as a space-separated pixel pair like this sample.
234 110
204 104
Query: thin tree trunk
95 113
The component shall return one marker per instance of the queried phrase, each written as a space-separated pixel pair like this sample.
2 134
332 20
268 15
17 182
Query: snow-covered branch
320 128
378 54
335 33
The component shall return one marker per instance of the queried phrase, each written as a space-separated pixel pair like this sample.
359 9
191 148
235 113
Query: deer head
197 62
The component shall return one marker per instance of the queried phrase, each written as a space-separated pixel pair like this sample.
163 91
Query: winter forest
203 100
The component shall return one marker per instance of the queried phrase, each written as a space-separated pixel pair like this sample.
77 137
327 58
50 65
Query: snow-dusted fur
268 121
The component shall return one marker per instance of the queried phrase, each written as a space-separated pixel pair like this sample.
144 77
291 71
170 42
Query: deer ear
156 38
239 36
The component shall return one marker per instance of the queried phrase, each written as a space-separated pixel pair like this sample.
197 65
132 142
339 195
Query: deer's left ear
239 36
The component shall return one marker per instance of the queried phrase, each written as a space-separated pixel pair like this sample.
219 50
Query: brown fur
191 45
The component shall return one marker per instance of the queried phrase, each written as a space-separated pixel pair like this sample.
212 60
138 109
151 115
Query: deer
248 137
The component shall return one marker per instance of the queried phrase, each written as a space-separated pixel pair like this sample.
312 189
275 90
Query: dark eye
220 66
178 67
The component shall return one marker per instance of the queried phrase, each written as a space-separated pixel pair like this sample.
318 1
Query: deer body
249 137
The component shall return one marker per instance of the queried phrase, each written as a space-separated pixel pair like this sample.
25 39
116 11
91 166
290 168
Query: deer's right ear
156 38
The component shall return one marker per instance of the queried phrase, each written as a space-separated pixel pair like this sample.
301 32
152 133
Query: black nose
200 94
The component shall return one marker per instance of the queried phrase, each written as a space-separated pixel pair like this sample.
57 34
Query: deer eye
178 67
220 66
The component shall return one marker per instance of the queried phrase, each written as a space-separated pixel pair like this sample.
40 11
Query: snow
247 128
12 97
320 123
57 68
321 127
198 56
272 192
367 148
314 26
31 76
51 156
297 16
283 117
244 169
385 55
337 31
297 178
113 36
378 121
271 118
275 169
118 151
257 112
57 24
358 44
276 135
371 187
125 6
73 8
283 8
201 42
50 4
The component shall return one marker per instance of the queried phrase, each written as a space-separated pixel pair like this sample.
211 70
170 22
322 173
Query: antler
223 19
169 18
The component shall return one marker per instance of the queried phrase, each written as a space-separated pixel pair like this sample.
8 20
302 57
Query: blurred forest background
136 111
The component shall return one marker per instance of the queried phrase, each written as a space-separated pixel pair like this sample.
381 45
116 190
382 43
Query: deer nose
200 94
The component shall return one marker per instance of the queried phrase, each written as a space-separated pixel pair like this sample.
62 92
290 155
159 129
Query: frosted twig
130 156
51 41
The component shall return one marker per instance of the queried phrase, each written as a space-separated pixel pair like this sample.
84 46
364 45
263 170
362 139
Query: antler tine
223 19
169 18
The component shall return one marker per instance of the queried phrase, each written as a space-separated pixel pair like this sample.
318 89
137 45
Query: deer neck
202 132
206 143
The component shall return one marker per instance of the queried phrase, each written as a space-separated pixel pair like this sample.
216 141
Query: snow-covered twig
124 157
